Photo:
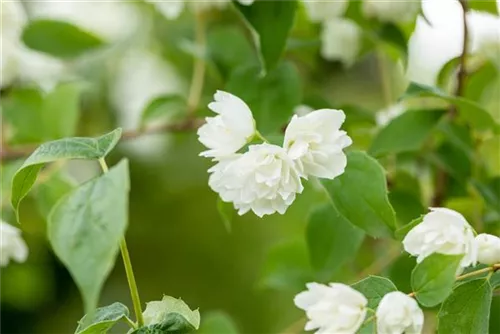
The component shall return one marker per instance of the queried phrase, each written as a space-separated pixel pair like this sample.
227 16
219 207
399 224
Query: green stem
134 292
130 322
260 136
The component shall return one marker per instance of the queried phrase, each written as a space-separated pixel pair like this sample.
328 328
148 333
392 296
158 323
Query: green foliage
331 240
67 148
432 279
271 22
467 309
360 195
271 98
49 192
59 39
410 130
167 107
85 228
374 288
103 319
226 211
403 231
217 322
489 6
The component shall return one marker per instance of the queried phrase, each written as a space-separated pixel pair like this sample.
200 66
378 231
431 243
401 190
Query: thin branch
198 77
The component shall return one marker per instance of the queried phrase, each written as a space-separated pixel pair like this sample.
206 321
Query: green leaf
403 231
489 6
271 98
360 195
467 309
374 288
432 279
407 132
448 72
167 107
406 205
48 193
217 322
331 240
470 111
170 315
271 22
391 34
490 192
67 148
226 211
85 229
59 39
103 319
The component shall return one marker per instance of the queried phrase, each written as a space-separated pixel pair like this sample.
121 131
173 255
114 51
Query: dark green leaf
271 98
166 107
374 288
391 34
360 195
217 323
400 272
59 39
226 211
103 319
467 309
68 148
469 110
432 279
406 205
271 22
406 132
331 240
490 191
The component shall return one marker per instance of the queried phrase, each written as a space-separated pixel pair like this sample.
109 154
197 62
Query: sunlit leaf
103 319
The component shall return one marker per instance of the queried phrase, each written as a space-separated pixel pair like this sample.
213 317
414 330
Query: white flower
485 35
302 110
169 9
398 313
384 116
263 180
391 11
172 9
340 40
321 10
12 245
488 248
336 308
442 231
230 130
315 142
12 22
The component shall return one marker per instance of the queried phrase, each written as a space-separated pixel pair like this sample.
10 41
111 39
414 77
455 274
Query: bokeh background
243 273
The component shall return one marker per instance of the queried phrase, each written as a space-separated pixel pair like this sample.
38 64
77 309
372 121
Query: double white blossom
398 313
442 231
315 142
340 40
263 180
336 308
391 11
320 10
488 248
232 128
12 245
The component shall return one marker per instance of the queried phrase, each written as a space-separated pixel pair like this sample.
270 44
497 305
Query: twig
184 126
198 77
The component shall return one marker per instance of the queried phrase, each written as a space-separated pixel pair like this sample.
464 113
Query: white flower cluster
266 178
173 9
445 231
12 245
394 11
338 308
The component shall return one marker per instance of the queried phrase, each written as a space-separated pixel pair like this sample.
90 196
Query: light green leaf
103 319
470 111
67 148
271 22
226 211
271 98
374 288
48 193
360 195
432 279
217 322
489 6
467 309
166 107
406 132
331 240
59 39
170 315
85 228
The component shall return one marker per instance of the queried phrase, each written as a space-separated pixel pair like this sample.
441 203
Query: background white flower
391 11
336 308
315 142
488 248
12 245
172 9
230 130
384 116
320 10
442 231
263 180
398 313
340 40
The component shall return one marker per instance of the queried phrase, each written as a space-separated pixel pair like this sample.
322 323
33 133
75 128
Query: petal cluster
488 248
334 308
12 245
399 313
442 231
391 11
